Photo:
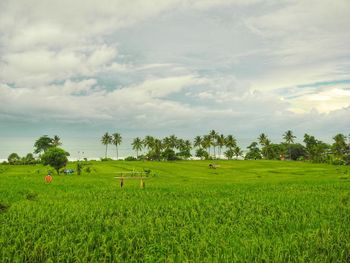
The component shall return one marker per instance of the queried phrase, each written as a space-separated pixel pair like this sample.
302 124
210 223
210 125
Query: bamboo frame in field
142 178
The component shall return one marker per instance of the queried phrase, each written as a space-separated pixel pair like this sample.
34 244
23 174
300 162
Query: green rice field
242 211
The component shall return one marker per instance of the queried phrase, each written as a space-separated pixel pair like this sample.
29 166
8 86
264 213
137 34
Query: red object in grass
48 178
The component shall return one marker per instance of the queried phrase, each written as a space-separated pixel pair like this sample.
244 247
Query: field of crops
241 211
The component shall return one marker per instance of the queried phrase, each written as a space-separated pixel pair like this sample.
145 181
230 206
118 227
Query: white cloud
168 64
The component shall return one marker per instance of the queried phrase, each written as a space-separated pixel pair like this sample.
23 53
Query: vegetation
56 158
45 142
243 211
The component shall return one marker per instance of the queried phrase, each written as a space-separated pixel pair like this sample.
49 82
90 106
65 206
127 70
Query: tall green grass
243 211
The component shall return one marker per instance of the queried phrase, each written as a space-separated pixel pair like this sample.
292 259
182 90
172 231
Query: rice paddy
242 211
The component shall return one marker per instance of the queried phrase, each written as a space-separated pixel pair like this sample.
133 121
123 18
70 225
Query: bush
130 158
106 159
346 158
338 162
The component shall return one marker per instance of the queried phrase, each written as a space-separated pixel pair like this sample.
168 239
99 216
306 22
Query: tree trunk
106 152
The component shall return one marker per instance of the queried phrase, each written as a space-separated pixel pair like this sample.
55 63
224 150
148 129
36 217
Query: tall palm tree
206 143
167 142
262 138
106 139
237 152
137 145
220 141
148 142
173 141
56 141
265 143
289 139
213 134
230 141
197 141
117 140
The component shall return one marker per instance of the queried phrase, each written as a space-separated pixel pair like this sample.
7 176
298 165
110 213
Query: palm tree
117 140
56 141
173 141
137 146
237 152
106 139
265 143
262 138
220 141
230 141
148 142
197 141
206 143
289 138
213 134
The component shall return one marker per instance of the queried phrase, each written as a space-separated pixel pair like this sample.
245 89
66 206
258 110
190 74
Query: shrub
130 158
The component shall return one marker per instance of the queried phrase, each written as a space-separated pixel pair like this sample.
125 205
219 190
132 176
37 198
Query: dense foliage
56 158
218 146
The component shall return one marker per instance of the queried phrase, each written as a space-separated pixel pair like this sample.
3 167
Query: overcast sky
185 67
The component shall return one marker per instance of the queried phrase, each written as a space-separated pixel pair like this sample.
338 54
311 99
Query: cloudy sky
174 66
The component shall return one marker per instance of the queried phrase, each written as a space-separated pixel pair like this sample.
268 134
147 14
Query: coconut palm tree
265 143
116 140
230 141
289 139
237 152
148 142
173 141
206 143
56 141
197 141
137 145
262 138
213 134
220 141
106 139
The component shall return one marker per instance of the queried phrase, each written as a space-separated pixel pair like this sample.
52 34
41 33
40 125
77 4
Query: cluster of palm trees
210 145
215 141
216 146
169 148
114 139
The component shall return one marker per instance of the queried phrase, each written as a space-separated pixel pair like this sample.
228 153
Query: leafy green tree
289 139
43 144
55 157
116 140
317 151
13 158
137 145
106 140
202 153
29 159
169 155
339 147
254 152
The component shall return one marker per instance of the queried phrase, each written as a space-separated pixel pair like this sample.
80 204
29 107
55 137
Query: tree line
217 146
